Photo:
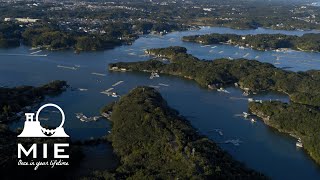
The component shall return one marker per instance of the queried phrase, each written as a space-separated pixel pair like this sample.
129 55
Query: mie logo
33 154
32 127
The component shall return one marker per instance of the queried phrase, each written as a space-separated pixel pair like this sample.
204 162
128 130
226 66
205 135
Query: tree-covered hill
299 120
307 42
251 75
154 142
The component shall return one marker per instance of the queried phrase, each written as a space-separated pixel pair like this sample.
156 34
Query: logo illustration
32 127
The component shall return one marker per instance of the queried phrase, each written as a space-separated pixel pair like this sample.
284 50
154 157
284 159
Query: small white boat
154 75
98 74
299 144
245 93
66 67
161 84
222 90
114 94
253 120
83 89
245 114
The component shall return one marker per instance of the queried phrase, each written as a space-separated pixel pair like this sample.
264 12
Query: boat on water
117 83
222 90
82 89
245 114
235 142
109 93
162 84
35 52
98 74
299 144
154 75
154 86
245 93
253 120
106 114
67 67
114 94
84 118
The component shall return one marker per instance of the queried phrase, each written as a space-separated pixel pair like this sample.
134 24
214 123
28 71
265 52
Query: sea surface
260 147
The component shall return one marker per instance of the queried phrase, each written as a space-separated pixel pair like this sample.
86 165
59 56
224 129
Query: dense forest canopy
251 75
301 117
154 142
307 42
298 120
97 25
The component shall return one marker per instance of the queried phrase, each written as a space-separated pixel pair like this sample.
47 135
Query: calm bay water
262 148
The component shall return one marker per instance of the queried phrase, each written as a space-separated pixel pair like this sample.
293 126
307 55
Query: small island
262 42
252 77
154 142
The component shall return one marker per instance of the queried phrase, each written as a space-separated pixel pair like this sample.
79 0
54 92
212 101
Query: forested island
154 142
252 76
306 42
52 37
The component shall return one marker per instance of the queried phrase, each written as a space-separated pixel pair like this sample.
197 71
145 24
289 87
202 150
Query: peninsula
250 75
154 142
307 42
253 77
